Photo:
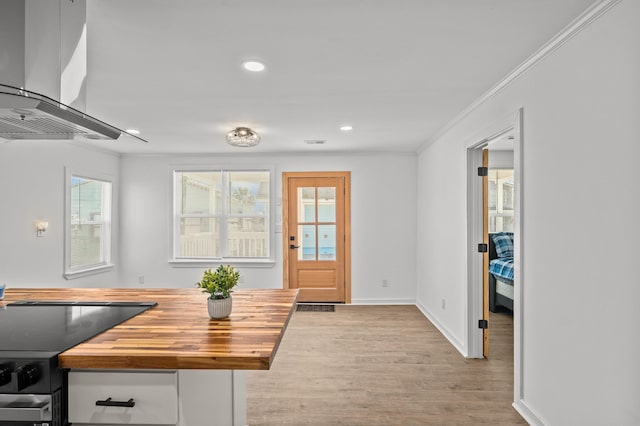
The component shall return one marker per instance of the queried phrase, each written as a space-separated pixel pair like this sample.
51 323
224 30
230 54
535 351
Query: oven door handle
111 403
25 411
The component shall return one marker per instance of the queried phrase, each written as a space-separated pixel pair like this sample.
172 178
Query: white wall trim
444 330
383 301
527 413
206 263
112 205
518 257
506 124
474 310
87 272
590 15
173 231
474 297
279 154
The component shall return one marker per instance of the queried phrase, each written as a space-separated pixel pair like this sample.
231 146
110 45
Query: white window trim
73 273
185 262
88 271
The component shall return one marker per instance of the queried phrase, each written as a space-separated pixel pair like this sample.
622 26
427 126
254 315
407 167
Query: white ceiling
397 70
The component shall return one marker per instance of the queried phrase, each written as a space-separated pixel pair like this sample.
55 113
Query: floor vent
316 308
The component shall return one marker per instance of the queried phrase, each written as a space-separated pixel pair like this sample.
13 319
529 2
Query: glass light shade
243 136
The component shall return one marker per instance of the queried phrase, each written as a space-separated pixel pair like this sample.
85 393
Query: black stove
32 334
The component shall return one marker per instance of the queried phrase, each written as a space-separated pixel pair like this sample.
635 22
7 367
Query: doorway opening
507 216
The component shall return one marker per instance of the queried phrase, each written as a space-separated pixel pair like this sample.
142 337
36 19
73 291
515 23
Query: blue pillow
503 241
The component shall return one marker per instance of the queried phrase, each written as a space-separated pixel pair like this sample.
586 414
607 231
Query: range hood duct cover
47 56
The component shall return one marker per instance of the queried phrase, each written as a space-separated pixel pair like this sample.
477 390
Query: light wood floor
381 365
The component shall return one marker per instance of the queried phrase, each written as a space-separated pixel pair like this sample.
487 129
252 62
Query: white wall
32 188
500 159
383 208
580 217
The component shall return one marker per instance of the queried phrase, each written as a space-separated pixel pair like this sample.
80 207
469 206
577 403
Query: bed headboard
492 249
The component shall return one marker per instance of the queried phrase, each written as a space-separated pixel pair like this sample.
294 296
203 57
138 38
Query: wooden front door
316 235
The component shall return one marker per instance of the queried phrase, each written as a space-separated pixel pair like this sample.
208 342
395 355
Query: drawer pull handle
110 403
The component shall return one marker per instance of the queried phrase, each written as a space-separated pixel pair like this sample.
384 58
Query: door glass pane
307 204
326 242
307 242
201 192
327 204
199 237
248 237
248 192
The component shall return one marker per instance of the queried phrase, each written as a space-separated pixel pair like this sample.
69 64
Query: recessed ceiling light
254 66
346 128
133 131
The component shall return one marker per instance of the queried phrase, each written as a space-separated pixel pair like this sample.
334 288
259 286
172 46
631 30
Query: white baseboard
527 413
444 330
383 301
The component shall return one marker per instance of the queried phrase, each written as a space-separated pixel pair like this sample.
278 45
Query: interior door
316 235
485 255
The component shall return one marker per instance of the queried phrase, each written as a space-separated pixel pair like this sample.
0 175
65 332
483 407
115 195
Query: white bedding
504 289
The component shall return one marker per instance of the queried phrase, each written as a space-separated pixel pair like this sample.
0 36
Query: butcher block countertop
178 333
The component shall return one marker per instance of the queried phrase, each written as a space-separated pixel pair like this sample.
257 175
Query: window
88 225
222 214
501 218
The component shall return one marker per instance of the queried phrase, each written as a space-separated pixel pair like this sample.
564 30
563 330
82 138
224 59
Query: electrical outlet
444 304
385 283
141 279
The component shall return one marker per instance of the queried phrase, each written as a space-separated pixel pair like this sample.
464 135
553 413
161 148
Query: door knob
293 246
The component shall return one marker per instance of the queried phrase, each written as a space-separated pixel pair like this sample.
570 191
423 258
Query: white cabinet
121 398
160 397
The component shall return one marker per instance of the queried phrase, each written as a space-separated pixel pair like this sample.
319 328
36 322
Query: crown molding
269 154
585 19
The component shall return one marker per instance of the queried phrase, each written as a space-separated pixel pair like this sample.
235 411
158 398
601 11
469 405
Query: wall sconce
41 227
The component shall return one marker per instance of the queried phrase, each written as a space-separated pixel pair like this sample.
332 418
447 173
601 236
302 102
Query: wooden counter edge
284 328
151 362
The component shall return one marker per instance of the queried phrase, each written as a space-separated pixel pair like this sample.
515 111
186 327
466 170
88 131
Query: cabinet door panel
154 397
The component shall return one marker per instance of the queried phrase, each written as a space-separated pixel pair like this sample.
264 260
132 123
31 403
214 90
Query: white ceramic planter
219 308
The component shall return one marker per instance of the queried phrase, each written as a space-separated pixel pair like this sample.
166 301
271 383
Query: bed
501 271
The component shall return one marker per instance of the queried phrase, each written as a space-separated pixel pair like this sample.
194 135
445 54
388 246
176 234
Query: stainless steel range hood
27 115
44 50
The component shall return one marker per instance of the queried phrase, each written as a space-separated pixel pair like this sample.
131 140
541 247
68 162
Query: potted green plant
219 284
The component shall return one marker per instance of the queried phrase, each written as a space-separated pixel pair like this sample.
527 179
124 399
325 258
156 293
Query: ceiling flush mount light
254 66
346 128
133 131
243 136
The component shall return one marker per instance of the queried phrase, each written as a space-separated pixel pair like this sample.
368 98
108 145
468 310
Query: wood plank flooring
381 365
